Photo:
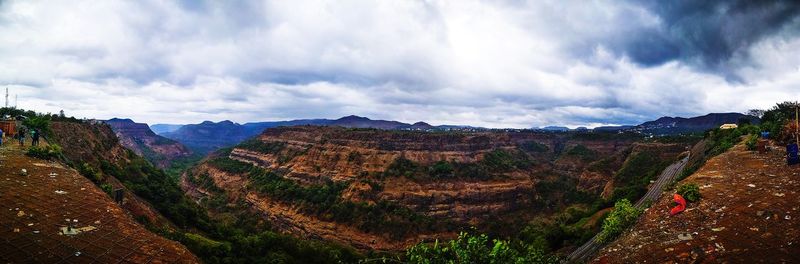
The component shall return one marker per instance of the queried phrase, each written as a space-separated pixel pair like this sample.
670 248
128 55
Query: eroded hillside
144 142
747 213
387 190
40 203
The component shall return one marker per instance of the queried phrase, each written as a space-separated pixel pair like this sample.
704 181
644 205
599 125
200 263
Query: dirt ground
35 207
748 213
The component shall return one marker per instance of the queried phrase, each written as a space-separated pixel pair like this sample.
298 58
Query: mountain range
209 136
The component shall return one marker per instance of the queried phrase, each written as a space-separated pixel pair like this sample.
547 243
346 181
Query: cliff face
97 146
141 140
458 179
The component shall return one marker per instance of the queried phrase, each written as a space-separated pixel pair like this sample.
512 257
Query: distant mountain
613 128
209 136
363 122
164 128
677 125
421 126
141 140
555 128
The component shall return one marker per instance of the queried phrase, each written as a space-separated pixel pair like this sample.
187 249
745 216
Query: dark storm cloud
709 33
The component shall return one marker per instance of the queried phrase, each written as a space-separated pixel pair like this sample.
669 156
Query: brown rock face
464 179
95 144
141 140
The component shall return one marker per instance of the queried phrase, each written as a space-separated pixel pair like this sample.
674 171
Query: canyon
419 185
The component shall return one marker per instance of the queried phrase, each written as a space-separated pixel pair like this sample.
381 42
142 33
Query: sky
495 63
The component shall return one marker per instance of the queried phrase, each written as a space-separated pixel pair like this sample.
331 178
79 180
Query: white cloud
483 63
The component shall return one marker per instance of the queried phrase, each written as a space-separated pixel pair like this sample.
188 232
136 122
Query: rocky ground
748 213
36 206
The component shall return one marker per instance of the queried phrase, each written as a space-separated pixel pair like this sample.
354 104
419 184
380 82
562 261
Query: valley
308 192
387 190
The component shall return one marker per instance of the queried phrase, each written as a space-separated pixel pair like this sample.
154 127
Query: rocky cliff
144 142
331 182
94 148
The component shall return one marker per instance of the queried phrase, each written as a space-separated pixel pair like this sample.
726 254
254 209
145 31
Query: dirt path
35 207
588 249
748 213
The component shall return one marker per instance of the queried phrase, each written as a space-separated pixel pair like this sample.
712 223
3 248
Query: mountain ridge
139 138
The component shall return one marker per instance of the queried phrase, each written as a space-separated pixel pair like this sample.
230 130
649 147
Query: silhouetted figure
21 137
34 137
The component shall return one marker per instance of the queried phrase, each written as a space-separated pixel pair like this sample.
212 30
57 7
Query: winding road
587 250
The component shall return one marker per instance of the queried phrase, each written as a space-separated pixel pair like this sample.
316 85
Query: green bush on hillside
49 152
89 172
402 166
533 146
751 142
582 152
623 216
441 169
689 191
501 160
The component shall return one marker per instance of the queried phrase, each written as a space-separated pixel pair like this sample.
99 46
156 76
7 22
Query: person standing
34 137
2 136
21 137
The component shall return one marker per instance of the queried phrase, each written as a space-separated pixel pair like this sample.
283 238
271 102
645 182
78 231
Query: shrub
401 167
355 157
500 160
623 215
751 142
533 146
89 172
48 152
441 169
582 152
107 188
690 192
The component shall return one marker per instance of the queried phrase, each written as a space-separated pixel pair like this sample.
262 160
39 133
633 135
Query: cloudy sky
483 63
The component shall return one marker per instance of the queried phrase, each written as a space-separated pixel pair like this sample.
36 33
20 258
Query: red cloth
681 204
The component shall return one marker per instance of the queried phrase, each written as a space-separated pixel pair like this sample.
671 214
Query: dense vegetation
478 249
533 146
581 152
